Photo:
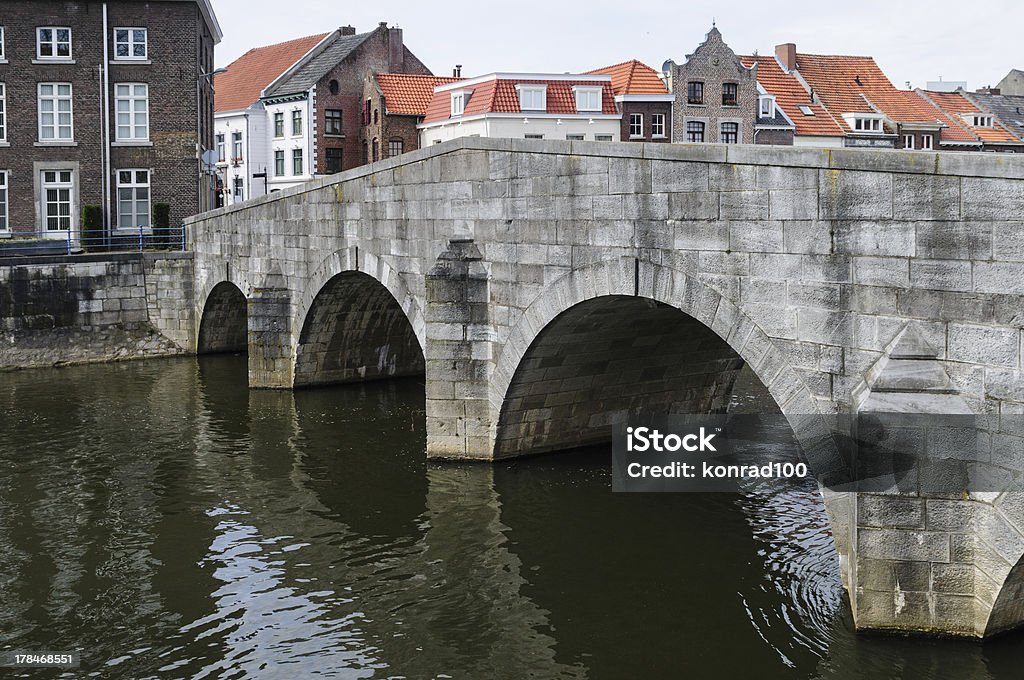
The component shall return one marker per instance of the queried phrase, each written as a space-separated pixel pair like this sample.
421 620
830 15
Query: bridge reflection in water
168 521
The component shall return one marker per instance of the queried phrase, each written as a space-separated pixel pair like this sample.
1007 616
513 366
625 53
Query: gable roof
315 65
1009 109
496 93
242 84
409 95
790 95
633 77
954 105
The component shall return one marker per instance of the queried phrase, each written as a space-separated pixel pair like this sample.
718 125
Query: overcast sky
911 40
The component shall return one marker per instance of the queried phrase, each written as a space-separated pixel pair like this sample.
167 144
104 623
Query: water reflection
169 522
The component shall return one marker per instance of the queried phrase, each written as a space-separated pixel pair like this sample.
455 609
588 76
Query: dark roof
308 73
1007 108
778 121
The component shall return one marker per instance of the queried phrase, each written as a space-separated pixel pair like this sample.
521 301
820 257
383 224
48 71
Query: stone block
853 195
926 197
901 544
744 205
793 204
987 345
676 176
756 237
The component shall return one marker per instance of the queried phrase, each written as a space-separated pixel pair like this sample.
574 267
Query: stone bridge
547 290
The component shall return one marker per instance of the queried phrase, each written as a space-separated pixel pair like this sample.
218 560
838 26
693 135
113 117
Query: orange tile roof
500 96
633 77
248 75
953 104
790 94
409 94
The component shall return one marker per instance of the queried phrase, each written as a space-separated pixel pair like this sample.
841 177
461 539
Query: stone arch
223 326
999 559
355 330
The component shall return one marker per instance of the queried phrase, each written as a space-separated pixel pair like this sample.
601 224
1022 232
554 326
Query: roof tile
241 85
633 77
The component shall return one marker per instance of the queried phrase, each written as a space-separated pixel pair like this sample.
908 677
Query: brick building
643 100
297 110
716 95
103 103
398 104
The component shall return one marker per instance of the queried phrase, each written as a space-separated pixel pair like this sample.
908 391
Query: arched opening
605 360
355 330
224 326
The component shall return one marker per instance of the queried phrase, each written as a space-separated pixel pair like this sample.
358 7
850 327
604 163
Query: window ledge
701 104
6 234
659 136
4 61
127 231
730 106
61 143
636 136
141 62
53 61
4 145
334 136
132 143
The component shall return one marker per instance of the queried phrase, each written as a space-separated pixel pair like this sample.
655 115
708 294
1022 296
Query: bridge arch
223 326
354 329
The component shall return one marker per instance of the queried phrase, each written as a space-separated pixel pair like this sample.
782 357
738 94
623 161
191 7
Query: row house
287 113
523 106
970 126
106 104
398 103
642 100
1007 109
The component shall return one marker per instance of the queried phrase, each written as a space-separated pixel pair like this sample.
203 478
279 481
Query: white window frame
908 142
533 136
927 142
133 185
980 120
588 99
658 122
298 155
806 109
54 42
131 43
236 147
280 167
279 118
532 97
5 196
3 45
3 112
766 106
459 98
867 124
296 118
220 139
56 98
132 98
636 122
575 137
238 188
604 138
44 204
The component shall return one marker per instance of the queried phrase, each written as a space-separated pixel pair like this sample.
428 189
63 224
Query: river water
168 522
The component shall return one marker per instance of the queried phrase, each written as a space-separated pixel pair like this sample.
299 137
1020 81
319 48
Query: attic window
806 110
333 87
533 97
982 121
587 98
766 106
867 124
458 102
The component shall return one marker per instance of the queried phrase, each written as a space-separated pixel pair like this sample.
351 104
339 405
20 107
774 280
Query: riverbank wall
75 309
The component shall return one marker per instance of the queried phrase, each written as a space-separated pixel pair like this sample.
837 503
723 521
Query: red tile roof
248 75
499 95
952 105
633 77
790 94
409 94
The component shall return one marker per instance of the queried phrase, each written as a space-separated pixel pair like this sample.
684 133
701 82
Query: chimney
786 54
348 30
457 71
396 50
989 90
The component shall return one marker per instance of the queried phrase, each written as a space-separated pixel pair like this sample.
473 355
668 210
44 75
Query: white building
523 105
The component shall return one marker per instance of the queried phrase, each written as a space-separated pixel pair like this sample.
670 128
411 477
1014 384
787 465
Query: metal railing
73 242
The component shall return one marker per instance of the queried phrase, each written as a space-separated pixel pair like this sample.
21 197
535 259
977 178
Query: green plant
92 227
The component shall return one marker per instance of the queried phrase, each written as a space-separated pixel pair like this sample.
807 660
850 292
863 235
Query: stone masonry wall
58 311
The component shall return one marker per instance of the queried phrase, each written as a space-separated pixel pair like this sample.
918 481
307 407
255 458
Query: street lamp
207 77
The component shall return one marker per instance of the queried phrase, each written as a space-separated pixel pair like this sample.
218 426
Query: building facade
643 101
106 104
397 105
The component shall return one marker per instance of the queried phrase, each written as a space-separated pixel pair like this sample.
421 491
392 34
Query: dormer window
588 98
533 97
978 120
870 123
459 102
766 106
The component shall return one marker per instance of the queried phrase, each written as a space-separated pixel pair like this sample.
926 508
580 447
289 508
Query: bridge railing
73 242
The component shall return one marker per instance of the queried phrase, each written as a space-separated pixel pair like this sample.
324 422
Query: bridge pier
271 339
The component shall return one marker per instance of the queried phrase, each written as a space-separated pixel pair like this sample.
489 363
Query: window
366 113
533 97
694 131
867 124
729 94
575 138
239 188
636 125
588 98
296 123
3 53
376 150
657 124
602 138
333 157
806 110
375 116
333 87
926 141
908 141
236 146
695 92
130 43
57 186
221 148
458 103
533 136
53 42
278 125
132 199
279 164
55 118
767 107
132 104
730 133
3 112
395 148
366 152
3 201
297 162
332 122
982 121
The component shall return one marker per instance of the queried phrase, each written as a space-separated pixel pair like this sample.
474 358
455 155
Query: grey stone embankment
64 310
